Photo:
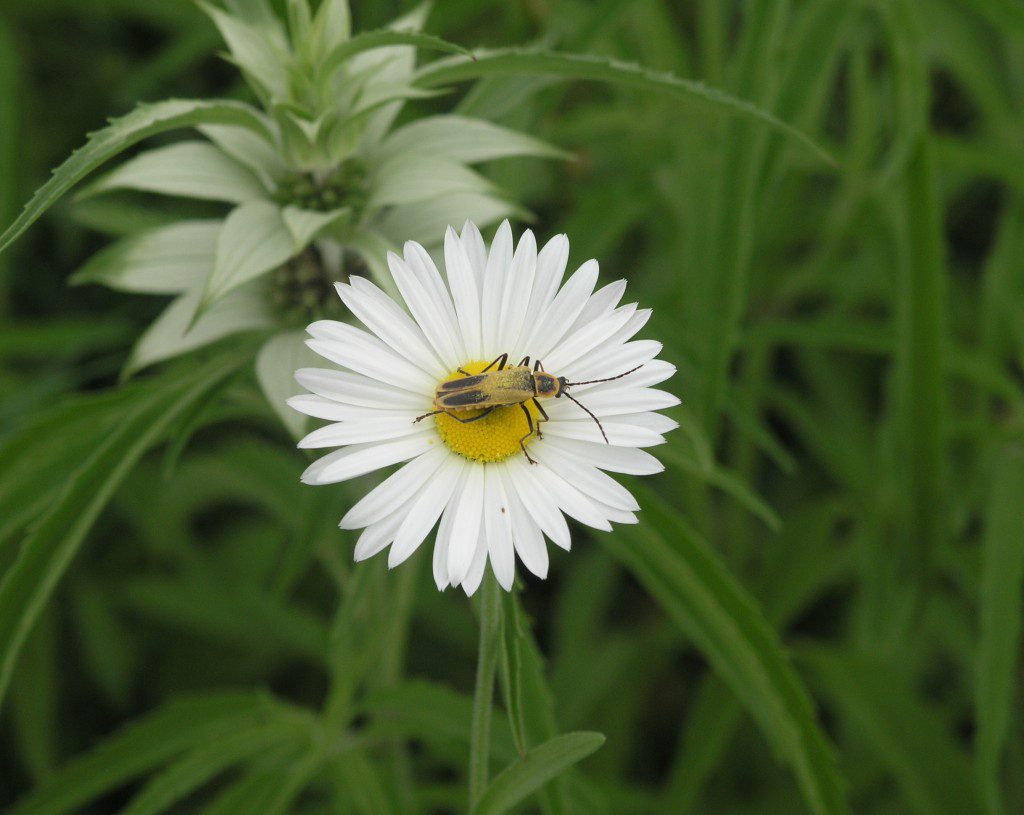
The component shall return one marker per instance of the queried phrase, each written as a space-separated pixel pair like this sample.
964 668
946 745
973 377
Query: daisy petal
601 304
584 340
612 361
551 262
499 262
355 389
430 311
597 357
320 407
360 459
424 511
564 309
362 431
616 402
623 435
650 373
518 287
475 575
466 527
394 490
587 479
538 502
465 292
444 534
570 500
498 529
628 460
529 541
363 353
378 535
476 250
385 318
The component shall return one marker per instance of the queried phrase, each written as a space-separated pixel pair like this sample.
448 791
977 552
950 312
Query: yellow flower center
494 437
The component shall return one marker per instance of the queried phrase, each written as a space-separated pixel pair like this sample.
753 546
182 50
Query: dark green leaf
143 122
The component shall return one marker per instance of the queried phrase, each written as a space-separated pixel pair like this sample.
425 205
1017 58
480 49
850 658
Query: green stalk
483 696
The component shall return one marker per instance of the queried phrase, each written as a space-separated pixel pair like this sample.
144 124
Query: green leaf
190 169
252 50
370 40
168 260
361 780
919 384
143 122
182 327
1001 607
249 148
908 737
35 462
426 222
307 225
413 178
254 240
207 761
331 24
48 550
707 603
461 139
727 482
541 764
417 709
138 748
516 61
265 791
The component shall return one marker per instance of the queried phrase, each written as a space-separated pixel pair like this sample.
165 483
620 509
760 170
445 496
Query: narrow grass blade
707 603
541 764
516 61
1001 608
909 739
146 743
47 551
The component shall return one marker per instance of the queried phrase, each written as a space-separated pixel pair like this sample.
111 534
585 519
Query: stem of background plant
483 696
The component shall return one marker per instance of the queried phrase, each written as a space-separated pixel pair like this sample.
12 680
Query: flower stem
483 697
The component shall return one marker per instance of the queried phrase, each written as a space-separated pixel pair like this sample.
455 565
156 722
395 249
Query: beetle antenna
608 379
592 416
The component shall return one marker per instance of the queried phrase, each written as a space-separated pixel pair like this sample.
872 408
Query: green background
849 341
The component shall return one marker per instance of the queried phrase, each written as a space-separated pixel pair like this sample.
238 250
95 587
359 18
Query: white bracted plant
320 182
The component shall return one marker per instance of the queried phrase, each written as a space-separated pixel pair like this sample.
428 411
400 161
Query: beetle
506 386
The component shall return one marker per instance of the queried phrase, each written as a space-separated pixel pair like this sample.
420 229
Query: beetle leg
543 413
467 421
500 361
463 371
425 415
529 421
524 361
537 366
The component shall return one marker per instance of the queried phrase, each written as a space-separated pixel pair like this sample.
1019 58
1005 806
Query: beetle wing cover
508 387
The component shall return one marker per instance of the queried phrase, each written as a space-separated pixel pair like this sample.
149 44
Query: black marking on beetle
464 399
464 382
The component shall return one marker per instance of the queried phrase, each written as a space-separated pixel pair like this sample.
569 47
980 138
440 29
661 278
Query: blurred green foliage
850 342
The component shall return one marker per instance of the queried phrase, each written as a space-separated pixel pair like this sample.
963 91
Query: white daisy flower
502 476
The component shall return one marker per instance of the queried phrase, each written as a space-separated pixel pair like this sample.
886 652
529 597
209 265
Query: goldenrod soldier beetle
507 386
